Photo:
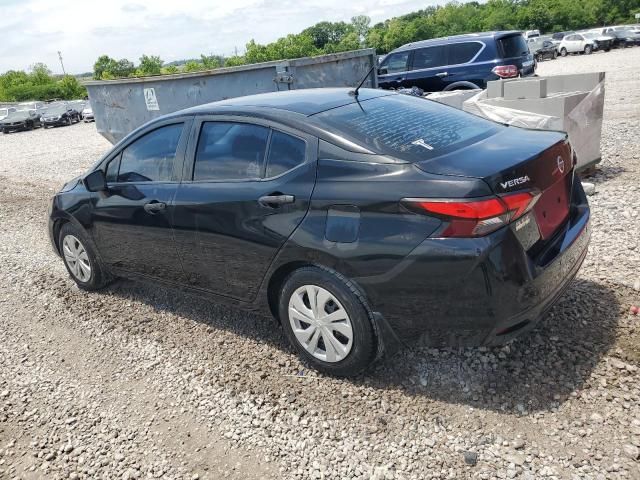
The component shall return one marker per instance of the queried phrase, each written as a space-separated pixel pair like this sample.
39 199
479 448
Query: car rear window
406 127
513 46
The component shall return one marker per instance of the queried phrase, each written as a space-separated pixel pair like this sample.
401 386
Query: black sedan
21 120
61 114
544 50
361 221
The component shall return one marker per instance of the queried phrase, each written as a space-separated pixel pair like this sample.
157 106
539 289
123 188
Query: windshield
57 109
4 112
26 106
590 35
406 127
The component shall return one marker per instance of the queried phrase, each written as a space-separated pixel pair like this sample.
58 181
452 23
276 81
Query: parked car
20 120
60 114
576 43
5 111
543 50
459 62
531 34
87 114
362 220
600 41
622 38
558 36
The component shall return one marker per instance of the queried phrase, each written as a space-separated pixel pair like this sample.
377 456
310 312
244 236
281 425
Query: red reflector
469 209
506 71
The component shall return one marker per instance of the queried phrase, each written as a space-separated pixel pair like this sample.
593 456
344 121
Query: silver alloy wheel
76 258
320 323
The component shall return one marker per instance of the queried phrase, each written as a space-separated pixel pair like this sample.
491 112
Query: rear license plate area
526 230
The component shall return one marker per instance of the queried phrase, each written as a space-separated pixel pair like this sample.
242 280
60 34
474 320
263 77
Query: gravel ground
140 381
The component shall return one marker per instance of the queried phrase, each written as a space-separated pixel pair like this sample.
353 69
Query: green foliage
456 18
451 19
169 70
38 84
192 66
150 65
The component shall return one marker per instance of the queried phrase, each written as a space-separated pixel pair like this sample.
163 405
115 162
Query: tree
122 68
150 65
104 64
210 62
40 74
70 88
192 66
360 24
170 70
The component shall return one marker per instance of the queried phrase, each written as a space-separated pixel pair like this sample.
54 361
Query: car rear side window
406 127
396 62
513 46
285 153
150 158
429 57
230 151
463 52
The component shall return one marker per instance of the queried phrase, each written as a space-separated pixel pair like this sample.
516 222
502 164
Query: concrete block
578 82
495 89
526 89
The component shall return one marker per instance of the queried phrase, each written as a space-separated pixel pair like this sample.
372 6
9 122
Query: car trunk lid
515 160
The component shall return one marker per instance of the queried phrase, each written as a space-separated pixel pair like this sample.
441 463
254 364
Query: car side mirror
95 181
382 71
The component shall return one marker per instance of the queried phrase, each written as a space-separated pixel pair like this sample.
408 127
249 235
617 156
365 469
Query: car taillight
506 71
475 217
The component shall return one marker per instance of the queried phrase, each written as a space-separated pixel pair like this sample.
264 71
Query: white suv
576 43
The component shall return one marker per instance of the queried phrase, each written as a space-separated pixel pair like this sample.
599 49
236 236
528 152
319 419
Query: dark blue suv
458 62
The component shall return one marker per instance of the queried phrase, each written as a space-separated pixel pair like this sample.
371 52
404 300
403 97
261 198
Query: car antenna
355 92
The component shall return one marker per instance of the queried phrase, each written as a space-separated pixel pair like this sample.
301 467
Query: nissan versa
361 220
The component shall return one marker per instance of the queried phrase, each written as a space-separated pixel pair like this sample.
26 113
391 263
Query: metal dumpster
120 106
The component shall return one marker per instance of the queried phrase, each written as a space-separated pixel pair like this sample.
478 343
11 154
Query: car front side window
151 157
396 62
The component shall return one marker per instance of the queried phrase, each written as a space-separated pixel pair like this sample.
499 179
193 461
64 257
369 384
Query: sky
35 30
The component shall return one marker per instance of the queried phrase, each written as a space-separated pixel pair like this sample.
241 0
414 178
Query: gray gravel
139 381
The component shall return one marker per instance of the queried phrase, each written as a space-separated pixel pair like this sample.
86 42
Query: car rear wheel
80 259
327 321
539 57
563 52
555 54
588 49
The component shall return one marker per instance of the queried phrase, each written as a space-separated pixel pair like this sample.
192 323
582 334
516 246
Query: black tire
99 278
539 57
555 54
364 344
588 49
563 52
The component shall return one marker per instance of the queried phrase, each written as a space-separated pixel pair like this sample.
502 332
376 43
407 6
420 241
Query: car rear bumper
482 291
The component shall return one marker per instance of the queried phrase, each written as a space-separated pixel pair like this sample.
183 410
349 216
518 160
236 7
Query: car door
573 43
428 68
461 64
131 220
392 72
245 189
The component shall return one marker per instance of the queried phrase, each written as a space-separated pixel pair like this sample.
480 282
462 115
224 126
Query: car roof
458 38
305 102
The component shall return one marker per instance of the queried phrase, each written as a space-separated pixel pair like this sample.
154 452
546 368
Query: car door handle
274 201
154 207
442 74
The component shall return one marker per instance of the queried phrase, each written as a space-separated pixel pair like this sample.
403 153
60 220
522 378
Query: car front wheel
80 259
327 321
588 49
563 52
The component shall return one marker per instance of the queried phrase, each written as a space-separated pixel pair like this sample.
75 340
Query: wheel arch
462 85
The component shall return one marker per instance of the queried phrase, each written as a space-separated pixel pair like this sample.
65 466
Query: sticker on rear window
421 143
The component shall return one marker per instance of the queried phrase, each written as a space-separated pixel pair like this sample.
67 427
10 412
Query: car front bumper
14 127
55 123
482 291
